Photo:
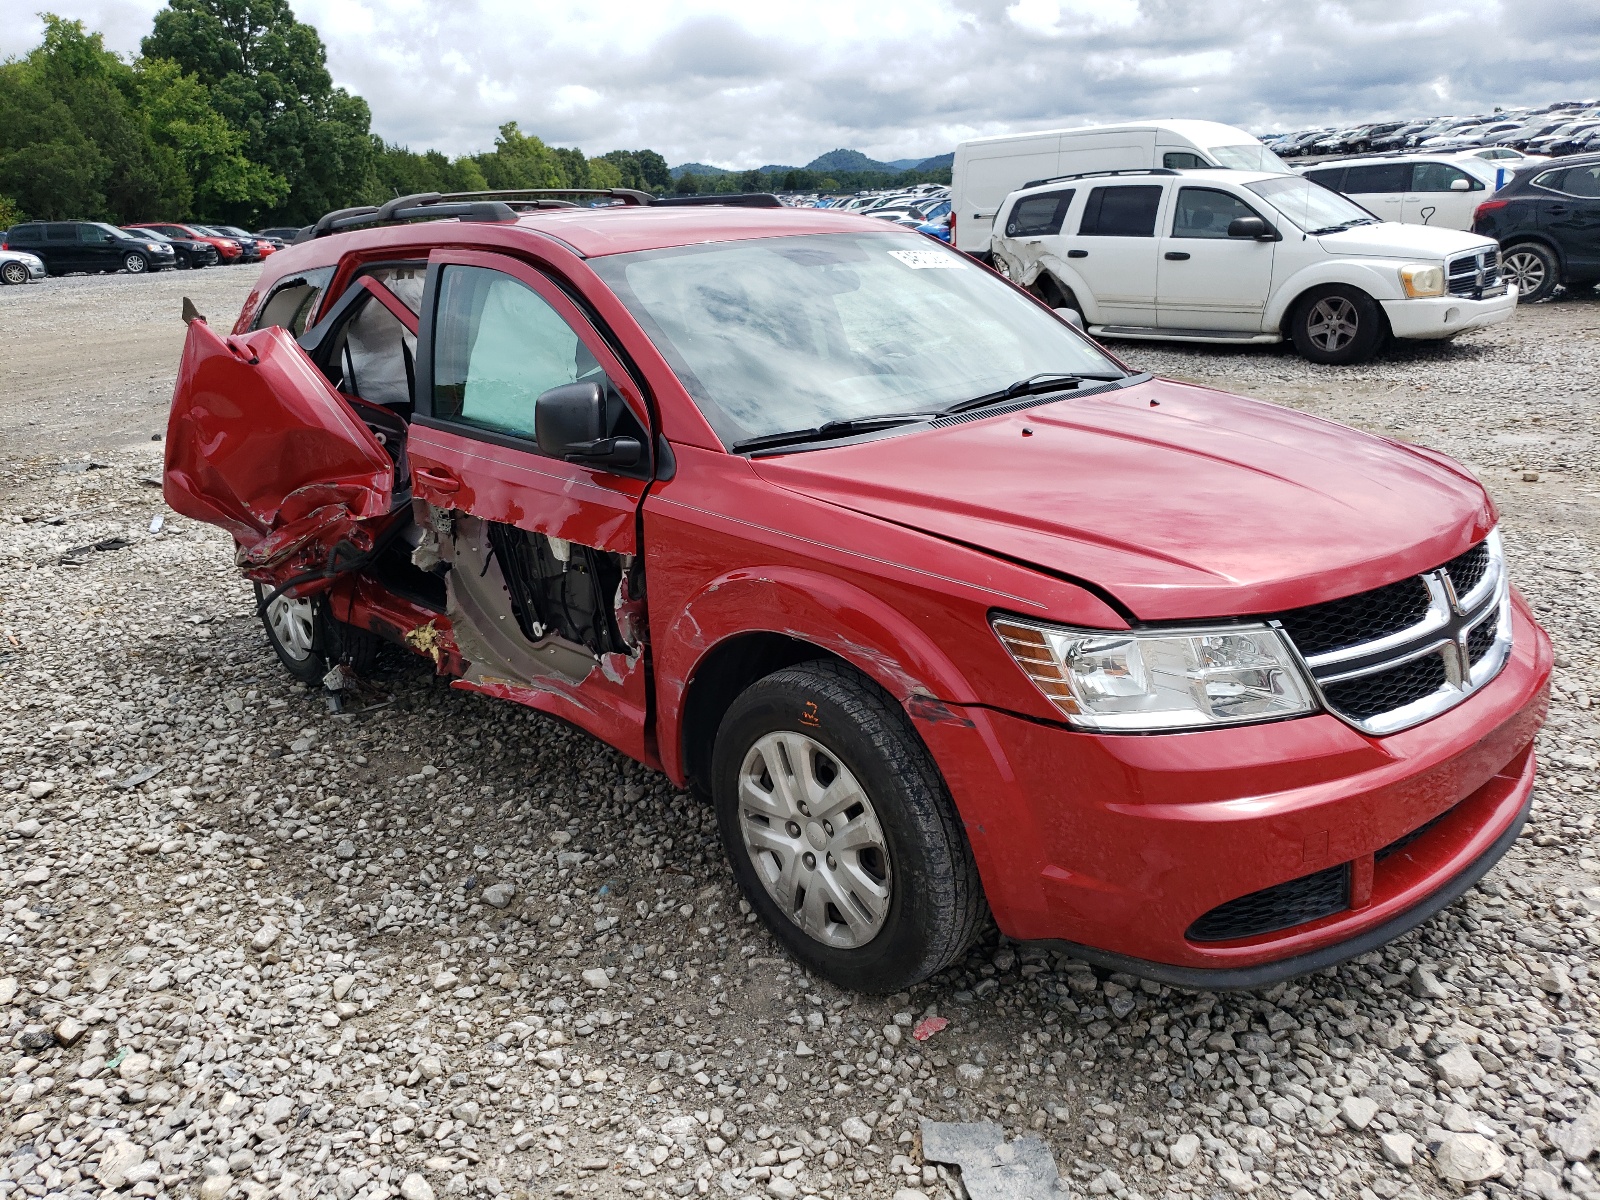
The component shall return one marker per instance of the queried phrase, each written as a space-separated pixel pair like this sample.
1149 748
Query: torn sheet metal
991 1167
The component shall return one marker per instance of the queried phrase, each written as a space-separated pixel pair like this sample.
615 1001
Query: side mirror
1461 185
1071 316
569 422
1251 227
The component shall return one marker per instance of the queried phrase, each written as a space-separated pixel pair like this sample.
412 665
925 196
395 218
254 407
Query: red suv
938 603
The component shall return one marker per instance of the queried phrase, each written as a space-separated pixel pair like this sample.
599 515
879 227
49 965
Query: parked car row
35 249
1565 127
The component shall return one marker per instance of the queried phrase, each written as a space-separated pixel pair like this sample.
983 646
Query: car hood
1180 502
1391 239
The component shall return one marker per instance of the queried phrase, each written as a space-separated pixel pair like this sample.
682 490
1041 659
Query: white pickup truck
1243 257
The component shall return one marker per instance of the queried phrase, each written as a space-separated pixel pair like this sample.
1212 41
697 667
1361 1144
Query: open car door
260 443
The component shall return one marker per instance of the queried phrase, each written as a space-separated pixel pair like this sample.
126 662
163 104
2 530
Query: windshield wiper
833 429
1032 385
1343 225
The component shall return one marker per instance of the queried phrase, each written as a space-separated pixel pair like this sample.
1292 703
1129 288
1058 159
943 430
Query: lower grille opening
1386 691
1400 843
1281 906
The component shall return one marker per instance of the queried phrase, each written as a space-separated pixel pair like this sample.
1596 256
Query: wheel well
731 667
1286 324
1533 239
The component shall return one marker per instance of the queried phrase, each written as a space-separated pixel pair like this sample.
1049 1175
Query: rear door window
1122 211
1038 216
1377 178
1328 177
61 233
294 301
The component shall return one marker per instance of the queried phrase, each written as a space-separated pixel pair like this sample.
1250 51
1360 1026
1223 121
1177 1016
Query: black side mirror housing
569 422
1252 227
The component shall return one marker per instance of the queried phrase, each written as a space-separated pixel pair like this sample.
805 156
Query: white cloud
741 84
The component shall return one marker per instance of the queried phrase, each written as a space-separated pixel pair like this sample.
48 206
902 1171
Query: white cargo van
987 170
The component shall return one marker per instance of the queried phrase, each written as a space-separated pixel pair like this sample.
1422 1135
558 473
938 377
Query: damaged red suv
940 605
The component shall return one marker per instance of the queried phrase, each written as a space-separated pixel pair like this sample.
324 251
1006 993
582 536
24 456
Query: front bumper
1446 316
1116 846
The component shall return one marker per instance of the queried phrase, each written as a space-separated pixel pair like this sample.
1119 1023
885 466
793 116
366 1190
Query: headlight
152 246
1139 682
1422 279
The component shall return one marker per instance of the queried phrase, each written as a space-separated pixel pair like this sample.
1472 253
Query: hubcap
1526 271
1332 323
814 840
293 624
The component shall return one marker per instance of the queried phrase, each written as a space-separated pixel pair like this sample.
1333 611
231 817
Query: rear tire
308 639
1534 270
840 830
1337 325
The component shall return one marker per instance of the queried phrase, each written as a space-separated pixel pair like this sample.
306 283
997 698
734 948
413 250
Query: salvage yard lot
299 952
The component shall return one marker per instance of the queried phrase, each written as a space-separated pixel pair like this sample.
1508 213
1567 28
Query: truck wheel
1337 325
1533 269
840 830
308 639
136 264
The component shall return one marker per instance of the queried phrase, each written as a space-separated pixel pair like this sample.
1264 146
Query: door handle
439 480
1077 254
1177 255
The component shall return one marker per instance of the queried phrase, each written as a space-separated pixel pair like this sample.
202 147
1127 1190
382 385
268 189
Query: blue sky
739 84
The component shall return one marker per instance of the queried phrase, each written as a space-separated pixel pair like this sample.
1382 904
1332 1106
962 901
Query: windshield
788 333
1252 157
1314 208
149 234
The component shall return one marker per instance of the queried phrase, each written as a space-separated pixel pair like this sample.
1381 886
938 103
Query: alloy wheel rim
293 625
134 263
815 840
16 273
1332 324
1526 271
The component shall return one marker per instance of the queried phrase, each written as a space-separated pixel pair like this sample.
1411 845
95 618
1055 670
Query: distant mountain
832 161
846 160
698 169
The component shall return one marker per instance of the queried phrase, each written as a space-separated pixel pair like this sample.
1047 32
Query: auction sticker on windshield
921 260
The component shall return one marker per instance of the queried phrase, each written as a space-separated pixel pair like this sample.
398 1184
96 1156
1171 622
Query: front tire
1337 325
1533 269
14 272
136 264
840 830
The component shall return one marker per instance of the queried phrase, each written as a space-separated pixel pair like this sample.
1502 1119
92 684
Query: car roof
597 232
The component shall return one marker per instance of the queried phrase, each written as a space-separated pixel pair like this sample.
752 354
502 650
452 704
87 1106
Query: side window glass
92 235
61 232
1551 180
294 300
1203 213
26 235
1038 216
498 345
1377 179
1182 160
405 282
1584 182
1438 177
1332 178
1121 212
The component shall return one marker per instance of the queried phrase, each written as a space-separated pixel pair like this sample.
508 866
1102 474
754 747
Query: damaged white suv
1243 257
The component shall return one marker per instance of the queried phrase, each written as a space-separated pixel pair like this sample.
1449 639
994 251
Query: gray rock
1357 1111
116 1161
1182 1152
1580 1138
1458 1068
499 895
1398 1148
1468 1158
415 1187
857 1130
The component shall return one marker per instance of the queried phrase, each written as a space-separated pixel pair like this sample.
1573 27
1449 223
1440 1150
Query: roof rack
504 205
1100 174
490 206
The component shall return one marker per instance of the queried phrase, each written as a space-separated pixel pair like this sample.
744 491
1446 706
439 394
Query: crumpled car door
260 443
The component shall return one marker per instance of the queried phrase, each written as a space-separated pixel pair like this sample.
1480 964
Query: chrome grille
1476 275
1411 660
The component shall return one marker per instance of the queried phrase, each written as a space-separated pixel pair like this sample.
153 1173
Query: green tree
267 75
520 160
750 181
642 169
604 174
687 185
212 151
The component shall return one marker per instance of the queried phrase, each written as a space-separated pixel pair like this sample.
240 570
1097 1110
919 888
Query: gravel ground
437 945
